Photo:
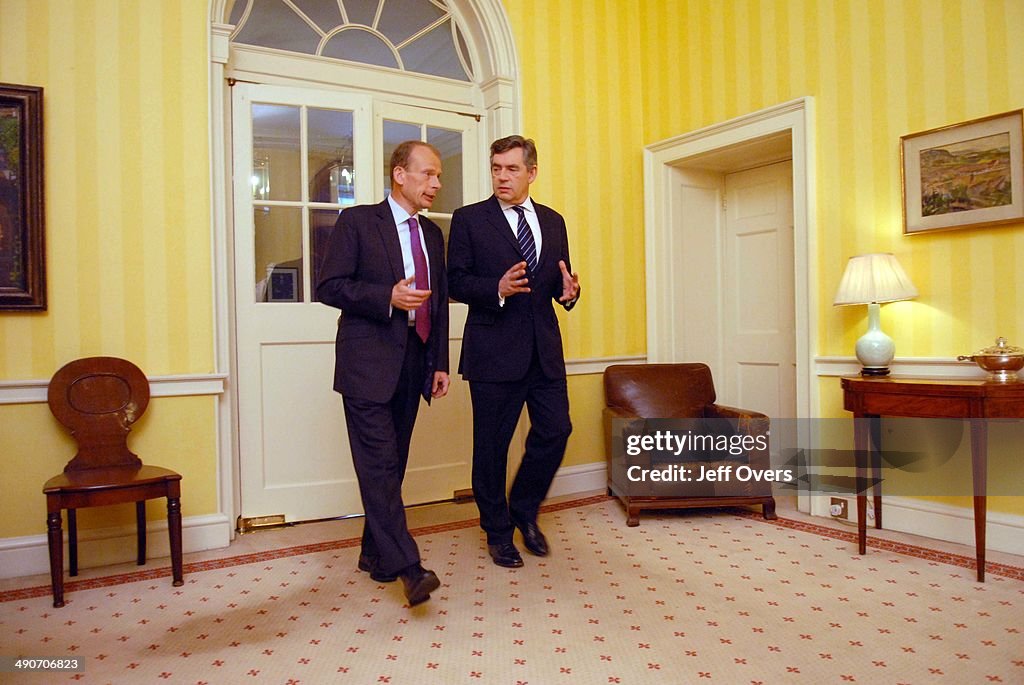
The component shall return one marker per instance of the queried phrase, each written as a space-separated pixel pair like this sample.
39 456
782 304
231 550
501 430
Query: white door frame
490 39
664 294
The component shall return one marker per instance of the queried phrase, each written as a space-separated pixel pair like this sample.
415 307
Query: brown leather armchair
637 393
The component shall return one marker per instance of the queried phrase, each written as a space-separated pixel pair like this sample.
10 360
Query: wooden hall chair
636 393
98 399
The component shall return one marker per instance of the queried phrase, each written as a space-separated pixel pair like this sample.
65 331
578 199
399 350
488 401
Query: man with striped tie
508 259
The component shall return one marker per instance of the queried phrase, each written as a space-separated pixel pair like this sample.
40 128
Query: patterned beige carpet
717 596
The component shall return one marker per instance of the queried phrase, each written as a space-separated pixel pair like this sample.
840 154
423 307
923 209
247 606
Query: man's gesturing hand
403 296
514 281
570 284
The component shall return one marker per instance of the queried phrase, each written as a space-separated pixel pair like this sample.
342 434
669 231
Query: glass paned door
441 449
454 135
303 174
301 156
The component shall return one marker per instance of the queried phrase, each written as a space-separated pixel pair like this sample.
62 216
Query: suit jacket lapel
547 236
500 223
389 235
435 253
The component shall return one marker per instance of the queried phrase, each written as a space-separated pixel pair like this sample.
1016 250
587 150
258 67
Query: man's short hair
512 142
400 157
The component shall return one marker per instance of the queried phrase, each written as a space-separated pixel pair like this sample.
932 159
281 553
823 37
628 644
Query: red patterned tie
422 279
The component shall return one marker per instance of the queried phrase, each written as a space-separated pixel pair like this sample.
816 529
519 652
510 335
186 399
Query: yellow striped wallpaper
128 241
127 183
127 161
878 69
581 65
128 168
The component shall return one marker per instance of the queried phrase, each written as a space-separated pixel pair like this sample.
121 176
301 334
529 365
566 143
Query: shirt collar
526 204
398 211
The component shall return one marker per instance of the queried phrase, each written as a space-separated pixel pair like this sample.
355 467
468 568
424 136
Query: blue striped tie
525 236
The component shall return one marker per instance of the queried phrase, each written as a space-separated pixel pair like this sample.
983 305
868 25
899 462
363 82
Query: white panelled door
440 456
758 304
300 157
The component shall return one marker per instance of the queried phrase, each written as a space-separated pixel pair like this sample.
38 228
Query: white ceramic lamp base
875 349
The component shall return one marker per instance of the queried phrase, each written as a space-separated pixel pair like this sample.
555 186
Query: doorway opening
694 267
443 69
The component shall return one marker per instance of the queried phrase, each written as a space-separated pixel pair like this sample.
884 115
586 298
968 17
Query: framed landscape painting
969 174
22 275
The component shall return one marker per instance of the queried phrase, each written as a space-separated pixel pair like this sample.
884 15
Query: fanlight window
419 36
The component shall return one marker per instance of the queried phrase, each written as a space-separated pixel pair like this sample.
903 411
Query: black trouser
379 434
496 410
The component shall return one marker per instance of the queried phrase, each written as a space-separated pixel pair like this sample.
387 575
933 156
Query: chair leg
632 514
768 510
73 542
55 541
174 530
140 532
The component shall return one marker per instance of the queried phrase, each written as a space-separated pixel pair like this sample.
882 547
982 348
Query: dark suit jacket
499 341
362 263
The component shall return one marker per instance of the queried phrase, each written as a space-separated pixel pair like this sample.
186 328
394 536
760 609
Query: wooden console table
873 397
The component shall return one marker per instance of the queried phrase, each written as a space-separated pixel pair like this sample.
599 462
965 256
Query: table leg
875 424
979 474
861 447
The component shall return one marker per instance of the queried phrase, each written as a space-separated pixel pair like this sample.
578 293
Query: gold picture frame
964 175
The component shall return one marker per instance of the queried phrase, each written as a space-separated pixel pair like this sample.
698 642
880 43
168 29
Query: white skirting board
577 479
29 555
1003 532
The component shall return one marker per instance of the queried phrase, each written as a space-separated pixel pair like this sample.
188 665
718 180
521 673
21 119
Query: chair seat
112 477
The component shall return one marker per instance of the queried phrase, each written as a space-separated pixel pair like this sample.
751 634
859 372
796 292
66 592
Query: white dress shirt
512 217
404 237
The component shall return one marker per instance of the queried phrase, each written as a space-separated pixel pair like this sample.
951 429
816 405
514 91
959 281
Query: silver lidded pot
1002 360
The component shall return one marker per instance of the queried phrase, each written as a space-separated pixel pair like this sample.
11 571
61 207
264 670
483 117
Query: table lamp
873 279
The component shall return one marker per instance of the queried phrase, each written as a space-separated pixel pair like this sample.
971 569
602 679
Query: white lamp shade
874 277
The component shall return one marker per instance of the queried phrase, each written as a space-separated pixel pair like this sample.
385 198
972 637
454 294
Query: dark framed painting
964 175
22 258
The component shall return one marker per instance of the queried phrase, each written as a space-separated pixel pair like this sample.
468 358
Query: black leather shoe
505 555
419 583
369 565
533 539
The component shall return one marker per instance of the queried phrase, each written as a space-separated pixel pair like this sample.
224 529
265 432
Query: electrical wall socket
840 508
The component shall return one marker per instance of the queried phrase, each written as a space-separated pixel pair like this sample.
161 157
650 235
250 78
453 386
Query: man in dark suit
508 259
384 269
